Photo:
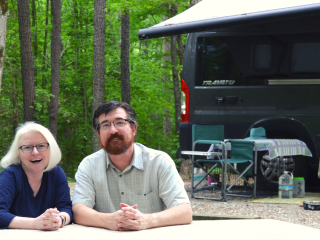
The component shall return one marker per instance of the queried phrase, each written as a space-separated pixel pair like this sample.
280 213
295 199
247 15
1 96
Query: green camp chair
244 154
208 135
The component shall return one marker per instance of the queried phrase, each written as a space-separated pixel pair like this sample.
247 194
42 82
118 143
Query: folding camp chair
207 134
242 155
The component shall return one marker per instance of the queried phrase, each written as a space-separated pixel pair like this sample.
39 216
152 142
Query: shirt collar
136 162
137 157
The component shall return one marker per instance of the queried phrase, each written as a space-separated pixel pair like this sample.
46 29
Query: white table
256 229
277 147
199 153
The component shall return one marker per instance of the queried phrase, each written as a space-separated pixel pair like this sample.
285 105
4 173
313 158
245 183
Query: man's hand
132 218
115 220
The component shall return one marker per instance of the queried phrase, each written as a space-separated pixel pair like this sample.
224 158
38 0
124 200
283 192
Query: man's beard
116 147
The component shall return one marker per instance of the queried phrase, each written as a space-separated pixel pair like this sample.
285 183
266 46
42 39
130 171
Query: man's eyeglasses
41 147
118 124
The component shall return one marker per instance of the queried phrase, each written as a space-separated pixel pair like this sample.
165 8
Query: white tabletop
276 147
211 154
261 229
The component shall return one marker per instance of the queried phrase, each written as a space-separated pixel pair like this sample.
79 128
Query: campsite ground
234 207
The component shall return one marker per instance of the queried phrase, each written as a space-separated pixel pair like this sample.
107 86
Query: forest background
152 71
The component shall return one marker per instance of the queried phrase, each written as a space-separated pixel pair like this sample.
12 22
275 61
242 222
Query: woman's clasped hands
49 220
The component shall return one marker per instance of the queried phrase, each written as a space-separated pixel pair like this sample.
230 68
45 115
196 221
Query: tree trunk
3 30
165 77
125 73
98 61
44 82
194 2
180 49
34 34
27 69
55 65
180 52
176 86
175 77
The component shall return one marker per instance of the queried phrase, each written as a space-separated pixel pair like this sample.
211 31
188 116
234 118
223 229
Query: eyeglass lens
40 147
117 124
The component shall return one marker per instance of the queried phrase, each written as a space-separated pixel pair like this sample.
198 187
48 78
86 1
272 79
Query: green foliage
151 96
71 180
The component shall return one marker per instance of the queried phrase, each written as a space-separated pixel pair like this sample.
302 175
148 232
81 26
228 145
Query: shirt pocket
149 203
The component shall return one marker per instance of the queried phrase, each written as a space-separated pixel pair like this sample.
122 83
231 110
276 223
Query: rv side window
217 63
262 57
254 60
305 58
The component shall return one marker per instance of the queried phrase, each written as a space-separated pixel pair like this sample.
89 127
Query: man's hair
12 156
106 107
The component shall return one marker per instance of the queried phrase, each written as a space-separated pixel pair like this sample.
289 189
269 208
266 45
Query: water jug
286 185
196 177
298 187
198 174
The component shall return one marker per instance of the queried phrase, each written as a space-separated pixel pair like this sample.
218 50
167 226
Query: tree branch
67 64
68 42
46 60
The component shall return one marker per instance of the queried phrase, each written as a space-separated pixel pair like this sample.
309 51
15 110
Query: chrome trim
293 81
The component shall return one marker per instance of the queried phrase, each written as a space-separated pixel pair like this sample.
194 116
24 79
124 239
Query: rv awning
212 14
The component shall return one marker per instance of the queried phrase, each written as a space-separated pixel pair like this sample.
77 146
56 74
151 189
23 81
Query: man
125 185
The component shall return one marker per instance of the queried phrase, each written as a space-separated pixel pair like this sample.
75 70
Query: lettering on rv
218 82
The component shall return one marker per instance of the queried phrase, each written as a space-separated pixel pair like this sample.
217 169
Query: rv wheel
273 168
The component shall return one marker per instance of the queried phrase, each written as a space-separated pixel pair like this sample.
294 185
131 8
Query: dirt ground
236 206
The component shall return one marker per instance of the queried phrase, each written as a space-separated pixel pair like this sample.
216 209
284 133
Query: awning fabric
213 14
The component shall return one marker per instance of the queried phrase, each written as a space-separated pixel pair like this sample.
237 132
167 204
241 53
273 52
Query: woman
34 192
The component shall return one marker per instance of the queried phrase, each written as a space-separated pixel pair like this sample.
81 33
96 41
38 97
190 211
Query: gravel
238 206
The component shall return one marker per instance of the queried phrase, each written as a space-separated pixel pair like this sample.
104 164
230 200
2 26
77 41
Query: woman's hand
49 220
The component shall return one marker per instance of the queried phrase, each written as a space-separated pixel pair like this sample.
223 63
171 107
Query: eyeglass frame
34 146
121 119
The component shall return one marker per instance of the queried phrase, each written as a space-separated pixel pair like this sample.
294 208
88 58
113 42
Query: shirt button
120 175
122 193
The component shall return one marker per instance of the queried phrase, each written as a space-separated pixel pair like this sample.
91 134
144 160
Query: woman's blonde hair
12 155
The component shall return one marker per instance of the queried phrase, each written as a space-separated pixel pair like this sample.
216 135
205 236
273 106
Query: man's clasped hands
129 218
